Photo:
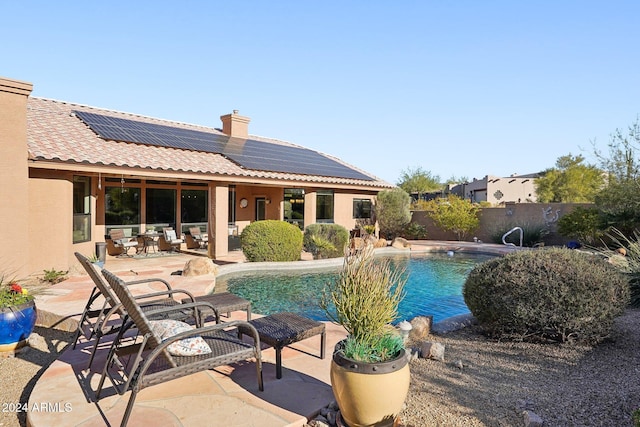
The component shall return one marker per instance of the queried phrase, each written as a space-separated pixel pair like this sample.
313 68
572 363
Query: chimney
235 125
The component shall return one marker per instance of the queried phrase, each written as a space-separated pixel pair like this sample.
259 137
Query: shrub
454 214
271 240
556 294
392 212
414 231
584 224
628 264
531 234
325 240
54 276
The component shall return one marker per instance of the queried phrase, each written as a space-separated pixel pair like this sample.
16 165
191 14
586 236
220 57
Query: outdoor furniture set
158 339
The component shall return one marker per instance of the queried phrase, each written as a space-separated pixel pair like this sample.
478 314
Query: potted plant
369 370
17 315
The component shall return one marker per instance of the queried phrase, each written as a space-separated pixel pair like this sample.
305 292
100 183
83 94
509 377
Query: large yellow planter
370 394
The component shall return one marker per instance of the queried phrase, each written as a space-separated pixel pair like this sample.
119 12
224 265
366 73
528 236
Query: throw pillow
185 347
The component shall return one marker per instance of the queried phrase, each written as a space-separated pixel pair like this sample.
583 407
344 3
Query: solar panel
248 153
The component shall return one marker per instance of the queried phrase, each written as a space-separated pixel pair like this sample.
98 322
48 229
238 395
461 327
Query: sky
456 88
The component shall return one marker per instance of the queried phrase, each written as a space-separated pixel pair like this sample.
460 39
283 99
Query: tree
418 181
392 211
454 214
620 199
571 181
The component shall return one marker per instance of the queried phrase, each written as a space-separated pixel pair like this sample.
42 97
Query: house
71 173
499 190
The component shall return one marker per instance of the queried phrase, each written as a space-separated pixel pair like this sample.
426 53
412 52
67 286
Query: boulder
381 243
420 327
400 243
199 267
432 350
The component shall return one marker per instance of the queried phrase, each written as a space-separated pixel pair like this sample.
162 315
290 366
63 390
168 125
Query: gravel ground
19 374
566 385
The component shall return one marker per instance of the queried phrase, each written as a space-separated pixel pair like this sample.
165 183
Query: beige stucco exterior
36 212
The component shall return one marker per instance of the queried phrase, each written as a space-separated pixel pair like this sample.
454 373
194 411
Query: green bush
271 240
532 233
414 231
325 240
587 225
554 294
629 263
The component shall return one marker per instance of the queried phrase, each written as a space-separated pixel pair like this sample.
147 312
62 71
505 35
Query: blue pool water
434 287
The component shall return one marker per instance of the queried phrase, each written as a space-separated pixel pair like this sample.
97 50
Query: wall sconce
244 203
267 200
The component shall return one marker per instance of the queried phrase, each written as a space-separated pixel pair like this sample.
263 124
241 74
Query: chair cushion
186 347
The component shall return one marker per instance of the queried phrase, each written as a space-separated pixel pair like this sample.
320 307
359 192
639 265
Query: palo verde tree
392 212
454 214
418 181
571 181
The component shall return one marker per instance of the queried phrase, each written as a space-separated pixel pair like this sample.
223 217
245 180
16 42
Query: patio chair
94 321
121 241
200 239
169 241
150 360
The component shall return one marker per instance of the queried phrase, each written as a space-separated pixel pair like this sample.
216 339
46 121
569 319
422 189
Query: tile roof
55 134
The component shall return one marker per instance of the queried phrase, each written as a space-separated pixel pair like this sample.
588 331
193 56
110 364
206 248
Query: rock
400 243
199 267
458 364
432 350
531 419
37 341
420 327
381 243
319 421
413 353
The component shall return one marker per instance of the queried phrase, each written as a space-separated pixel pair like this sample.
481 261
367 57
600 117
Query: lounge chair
94 321
150 360
120 240
169 241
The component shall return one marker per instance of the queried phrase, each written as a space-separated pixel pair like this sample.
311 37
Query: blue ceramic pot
16 324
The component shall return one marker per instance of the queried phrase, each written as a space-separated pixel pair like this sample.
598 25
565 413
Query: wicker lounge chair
149 361
94 320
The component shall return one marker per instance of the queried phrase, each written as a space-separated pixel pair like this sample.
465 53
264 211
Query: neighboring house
499 190
71 173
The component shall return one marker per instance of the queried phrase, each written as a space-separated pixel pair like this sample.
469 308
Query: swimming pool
434 286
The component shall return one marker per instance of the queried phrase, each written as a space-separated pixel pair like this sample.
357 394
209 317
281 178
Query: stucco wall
495 220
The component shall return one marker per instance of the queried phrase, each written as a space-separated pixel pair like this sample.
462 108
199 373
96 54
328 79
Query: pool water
434 287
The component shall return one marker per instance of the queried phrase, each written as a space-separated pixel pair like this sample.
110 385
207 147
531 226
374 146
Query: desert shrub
414 231
629 263
553 294
454 214
587 225
532 233
271 240
392 212
325 240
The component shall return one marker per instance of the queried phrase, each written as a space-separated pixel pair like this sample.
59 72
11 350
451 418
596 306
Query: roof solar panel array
248 153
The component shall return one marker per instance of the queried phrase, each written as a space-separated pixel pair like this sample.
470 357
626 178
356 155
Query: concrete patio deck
228 396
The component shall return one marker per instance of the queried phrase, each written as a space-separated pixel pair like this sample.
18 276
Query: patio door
261 208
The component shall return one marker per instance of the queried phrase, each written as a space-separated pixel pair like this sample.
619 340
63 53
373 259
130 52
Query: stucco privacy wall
14 175
493 220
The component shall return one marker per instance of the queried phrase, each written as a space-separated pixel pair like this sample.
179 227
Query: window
294 206
161 206
193 204
362 208
122 208
324 206
81 209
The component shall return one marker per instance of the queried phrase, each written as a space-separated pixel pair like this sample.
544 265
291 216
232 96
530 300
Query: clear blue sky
464 88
